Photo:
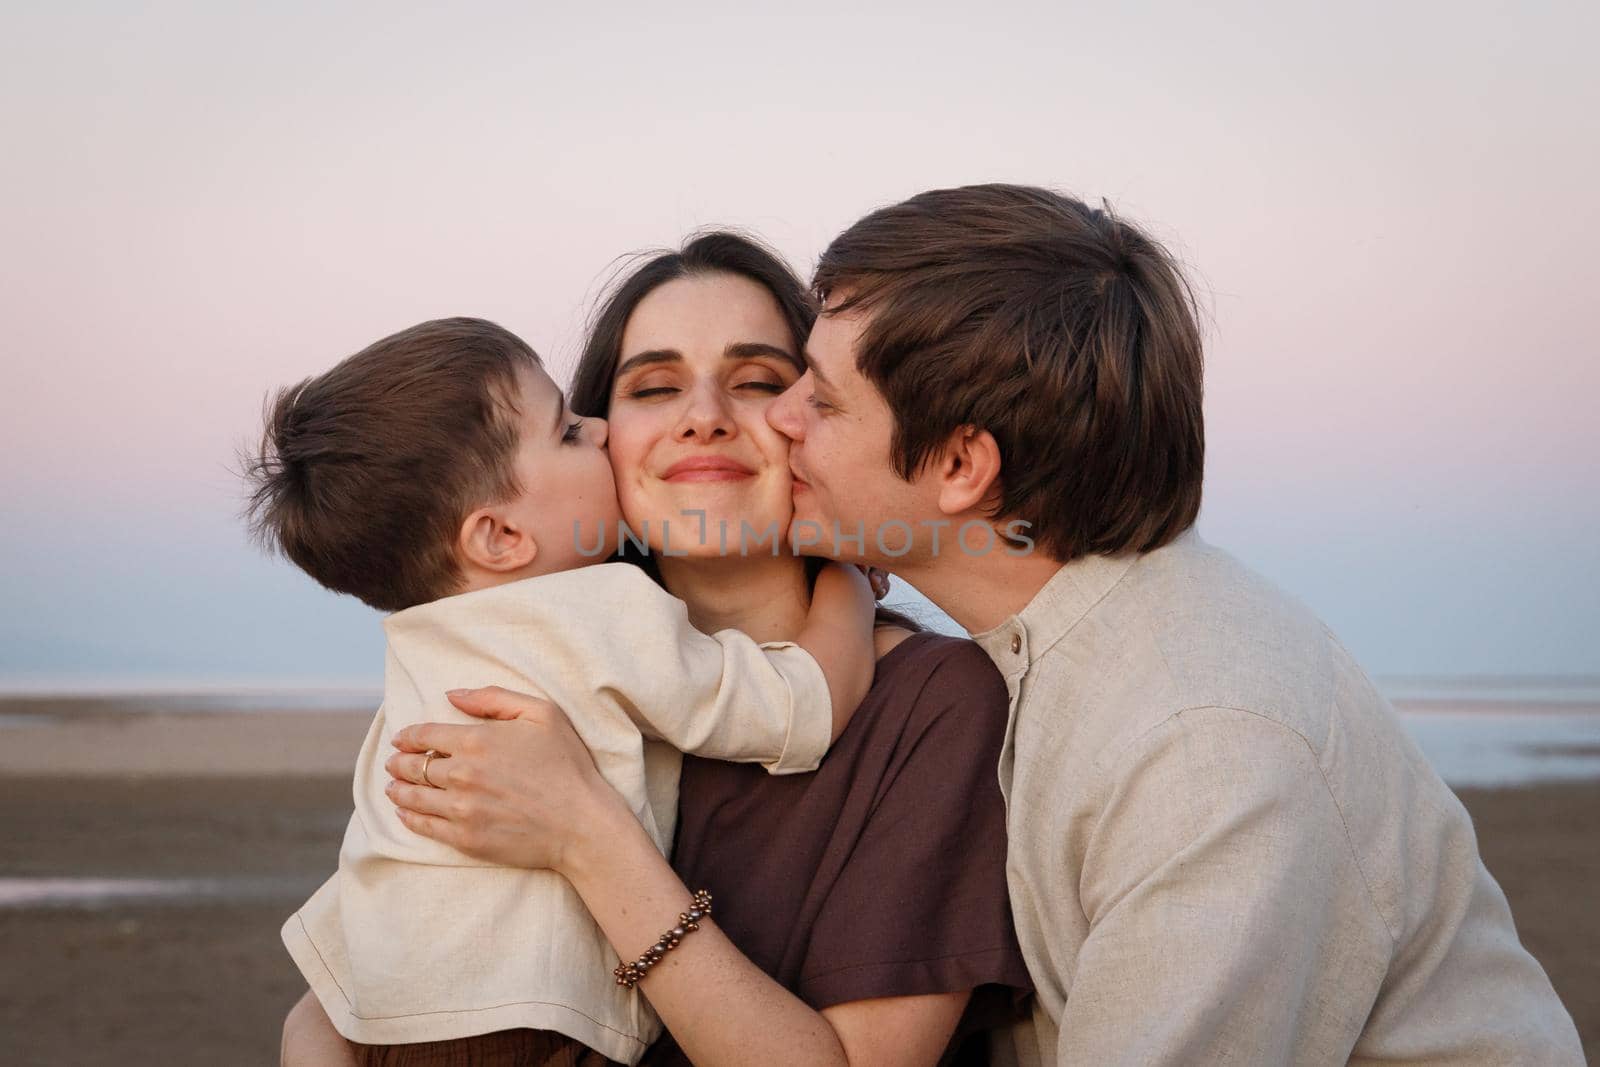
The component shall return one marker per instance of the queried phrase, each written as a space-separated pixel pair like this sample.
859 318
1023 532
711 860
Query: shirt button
1016 643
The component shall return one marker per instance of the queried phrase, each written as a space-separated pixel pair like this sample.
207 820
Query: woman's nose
705 418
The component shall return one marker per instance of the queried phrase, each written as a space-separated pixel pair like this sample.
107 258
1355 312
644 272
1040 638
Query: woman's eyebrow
736 350
757 349
649 357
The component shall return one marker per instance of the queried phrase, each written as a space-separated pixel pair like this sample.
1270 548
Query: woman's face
702 358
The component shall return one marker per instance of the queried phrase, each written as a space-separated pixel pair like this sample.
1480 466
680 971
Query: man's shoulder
1192 587
1188 628
1192 647
1212 633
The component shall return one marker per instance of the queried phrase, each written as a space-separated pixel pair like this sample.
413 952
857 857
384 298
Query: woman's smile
707 469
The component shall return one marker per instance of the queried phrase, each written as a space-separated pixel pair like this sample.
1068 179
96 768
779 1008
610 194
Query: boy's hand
878 578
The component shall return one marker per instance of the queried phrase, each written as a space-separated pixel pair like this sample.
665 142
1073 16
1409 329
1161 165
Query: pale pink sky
1389 208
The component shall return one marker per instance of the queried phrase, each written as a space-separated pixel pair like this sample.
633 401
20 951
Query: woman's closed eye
764 388
651 391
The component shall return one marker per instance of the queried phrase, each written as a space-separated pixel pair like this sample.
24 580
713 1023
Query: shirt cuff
810 710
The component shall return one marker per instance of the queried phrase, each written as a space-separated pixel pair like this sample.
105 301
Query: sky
1388 210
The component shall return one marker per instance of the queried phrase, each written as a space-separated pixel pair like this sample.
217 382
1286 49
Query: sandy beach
203 831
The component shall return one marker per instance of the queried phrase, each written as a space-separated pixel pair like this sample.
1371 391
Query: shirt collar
1059 605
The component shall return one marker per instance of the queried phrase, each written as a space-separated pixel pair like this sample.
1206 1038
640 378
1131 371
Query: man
1223 848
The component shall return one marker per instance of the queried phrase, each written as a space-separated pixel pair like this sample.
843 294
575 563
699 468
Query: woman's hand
520 790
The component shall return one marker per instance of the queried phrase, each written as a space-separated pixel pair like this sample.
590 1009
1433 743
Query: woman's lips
707 469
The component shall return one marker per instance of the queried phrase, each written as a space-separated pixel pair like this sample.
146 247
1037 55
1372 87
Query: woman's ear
493 541
969 471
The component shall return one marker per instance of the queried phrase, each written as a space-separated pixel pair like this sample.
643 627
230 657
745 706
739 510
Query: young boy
437 474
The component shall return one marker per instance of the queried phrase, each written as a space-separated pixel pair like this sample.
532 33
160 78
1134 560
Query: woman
860 911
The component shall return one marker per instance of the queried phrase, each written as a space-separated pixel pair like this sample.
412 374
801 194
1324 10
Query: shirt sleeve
1224 901
611 631
921 905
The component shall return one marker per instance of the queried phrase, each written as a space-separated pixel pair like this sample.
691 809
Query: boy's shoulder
596 579
599 588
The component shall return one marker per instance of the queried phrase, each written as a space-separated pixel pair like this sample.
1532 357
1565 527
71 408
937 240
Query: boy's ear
968 471
493 541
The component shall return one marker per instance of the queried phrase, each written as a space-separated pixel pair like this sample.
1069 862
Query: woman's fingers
420 799
442 737
513 792
494 702
419 769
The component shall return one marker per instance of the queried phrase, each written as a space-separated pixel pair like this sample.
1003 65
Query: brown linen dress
882 873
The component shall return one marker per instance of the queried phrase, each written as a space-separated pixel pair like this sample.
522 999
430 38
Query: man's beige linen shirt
1224 848
414 941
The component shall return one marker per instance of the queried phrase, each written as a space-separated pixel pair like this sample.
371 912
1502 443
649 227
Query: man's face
839 429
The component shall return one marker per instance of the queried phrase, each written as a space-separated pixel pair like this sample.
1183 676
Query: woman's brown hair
706 253
709 252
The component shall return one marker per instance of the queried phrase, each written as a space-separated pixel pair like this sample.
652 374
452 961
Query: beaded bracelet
628 974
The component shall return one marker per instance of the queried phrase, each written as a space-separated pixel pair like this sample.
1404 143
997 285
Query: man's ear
494 541
968 471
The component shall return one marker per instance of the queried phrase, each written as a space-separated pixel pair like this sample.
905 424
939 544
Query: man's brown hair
363 474
1065 331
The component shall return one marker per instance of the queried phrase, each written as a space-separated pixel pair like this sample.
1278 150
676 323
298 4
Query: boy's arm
609 632
838 634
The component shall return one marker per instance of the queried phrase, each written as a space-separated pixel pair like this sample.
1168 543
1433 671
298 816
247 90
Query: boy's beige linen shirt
1224 848
414 941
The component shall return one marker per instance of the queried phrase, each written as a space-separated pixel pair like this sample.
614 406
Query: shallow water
1476 748
109 892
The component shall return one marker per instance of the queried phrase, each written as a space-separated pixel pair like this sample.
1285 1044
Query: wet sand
1542 843
114 738
159 981
206 981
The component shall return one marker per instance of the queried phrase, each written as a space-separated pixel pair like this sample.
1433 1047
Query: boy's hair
363 474
1066 332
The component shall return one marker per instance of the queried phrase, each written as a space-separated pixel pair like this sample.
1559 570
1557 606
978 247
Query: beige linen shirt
1225 850
414 941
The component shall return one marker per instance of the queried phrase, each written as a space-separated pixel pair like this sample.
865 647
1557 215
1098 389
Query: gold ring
427 758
